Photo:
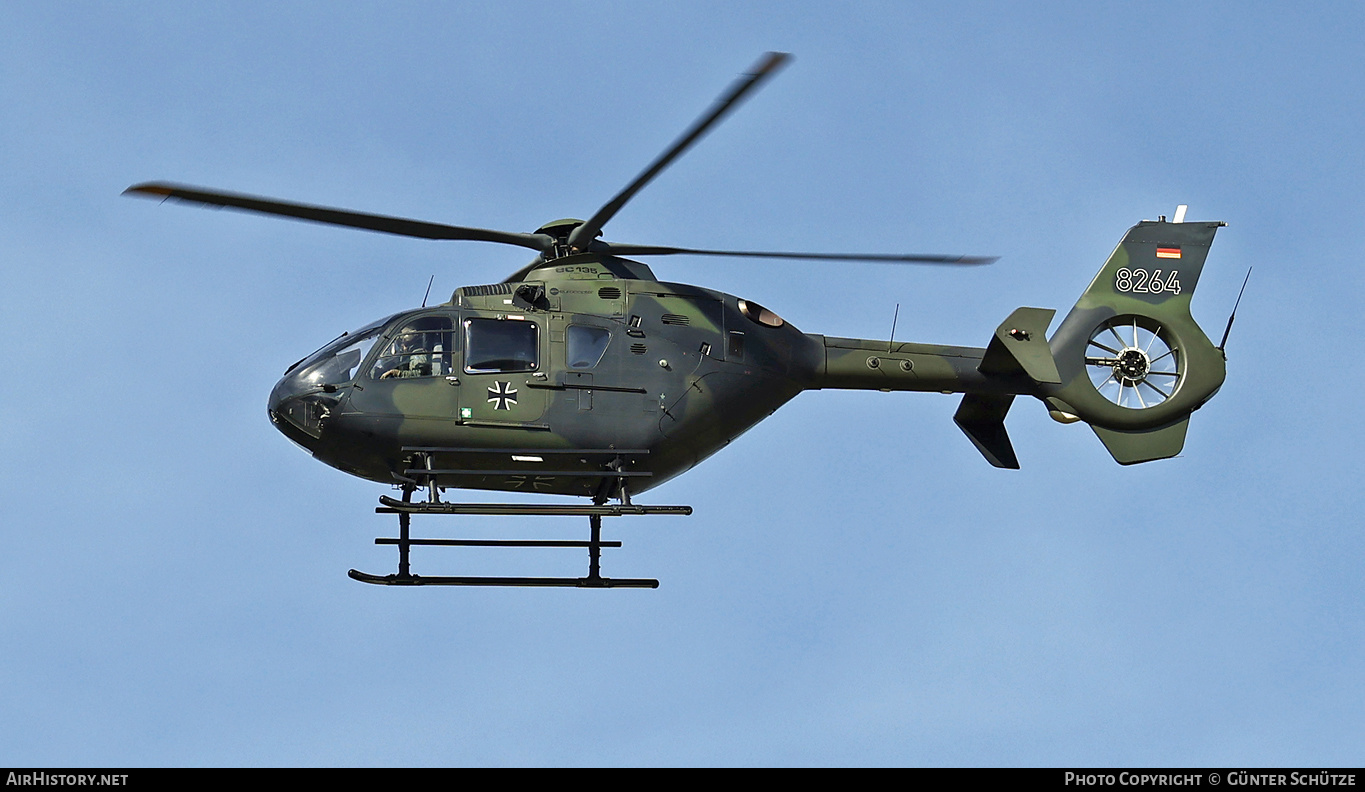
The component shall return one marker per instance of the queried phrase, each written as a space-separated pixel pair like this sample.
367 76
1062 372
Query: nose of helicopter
298 416
312 389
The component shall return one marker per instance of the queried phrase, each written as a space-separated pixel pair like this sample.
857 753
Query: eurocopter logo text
65 779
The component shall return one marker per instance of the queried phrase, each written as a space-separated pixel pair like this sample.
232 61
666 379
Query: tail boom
1128 359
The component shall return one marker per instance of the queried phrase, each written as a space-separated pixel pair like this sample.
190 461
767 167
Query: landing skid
424 580
406 507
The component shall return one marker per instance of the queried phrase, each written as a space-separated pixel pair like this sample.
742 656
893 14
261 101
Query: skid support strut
405 508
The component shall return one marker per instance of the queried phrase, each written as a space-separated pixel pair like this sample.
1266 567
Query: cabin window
420 348
584 346
759 315
500 346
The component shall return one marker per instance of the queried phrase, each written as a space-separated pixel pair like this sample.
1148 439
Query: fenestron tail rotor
561 238
1132 363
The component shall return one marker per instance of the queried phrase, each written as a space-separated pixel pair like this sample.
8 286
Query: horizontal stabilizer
982 417
1020 347
1130 448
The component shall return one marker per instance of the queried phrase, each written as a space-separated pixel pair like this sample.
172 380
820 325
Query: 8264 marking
1142 281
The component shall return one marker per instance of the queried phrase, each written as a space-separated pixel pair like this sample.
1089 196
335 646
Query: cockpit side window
584 346
422 347
500 346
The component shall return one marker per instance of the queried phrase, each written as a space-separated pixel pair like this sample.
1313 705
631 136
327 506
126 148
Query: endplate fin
981 416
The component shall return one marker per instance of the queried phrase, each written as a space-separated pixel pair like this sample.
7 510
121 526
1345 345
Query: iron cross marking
503 394
537 482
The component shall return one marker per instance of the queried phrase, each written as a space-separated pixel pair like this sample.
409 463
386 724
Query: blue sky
857 586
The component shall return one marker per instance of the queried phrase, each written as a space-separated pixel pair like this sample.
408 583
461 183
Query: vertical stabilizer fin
1134 363
1019 346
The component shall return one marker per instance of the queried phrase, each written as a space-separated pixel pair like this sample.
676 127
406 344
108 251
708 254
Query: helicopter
584 375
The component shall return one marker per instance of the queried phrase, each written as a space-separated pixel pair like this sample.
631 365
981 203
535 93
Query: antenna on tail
1222 344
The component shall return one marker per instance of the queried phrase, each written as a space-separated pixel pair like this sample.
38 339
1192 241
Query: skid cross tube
384 540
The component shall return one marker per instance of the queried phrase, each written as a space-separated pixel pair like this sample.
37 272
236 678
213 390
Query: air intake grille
676 319
486 291
609 293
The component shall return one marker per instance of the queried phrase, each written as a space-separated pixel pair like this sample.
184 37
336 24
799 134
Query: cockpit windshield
335 363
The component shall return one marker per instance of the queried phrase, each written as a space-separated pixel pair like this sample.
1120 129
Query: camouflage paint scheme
687 370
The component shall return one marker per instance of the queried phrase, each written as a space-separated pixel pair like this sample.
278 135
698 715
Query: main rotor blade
342 217
883 258
768 65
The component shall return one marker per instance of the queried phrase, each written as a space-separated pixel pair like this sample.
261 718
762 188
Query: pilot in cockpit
411 357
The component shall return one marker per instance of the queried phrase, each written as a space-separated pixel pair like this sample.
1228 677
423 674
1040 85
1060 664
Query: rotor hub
1132 365
560 229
